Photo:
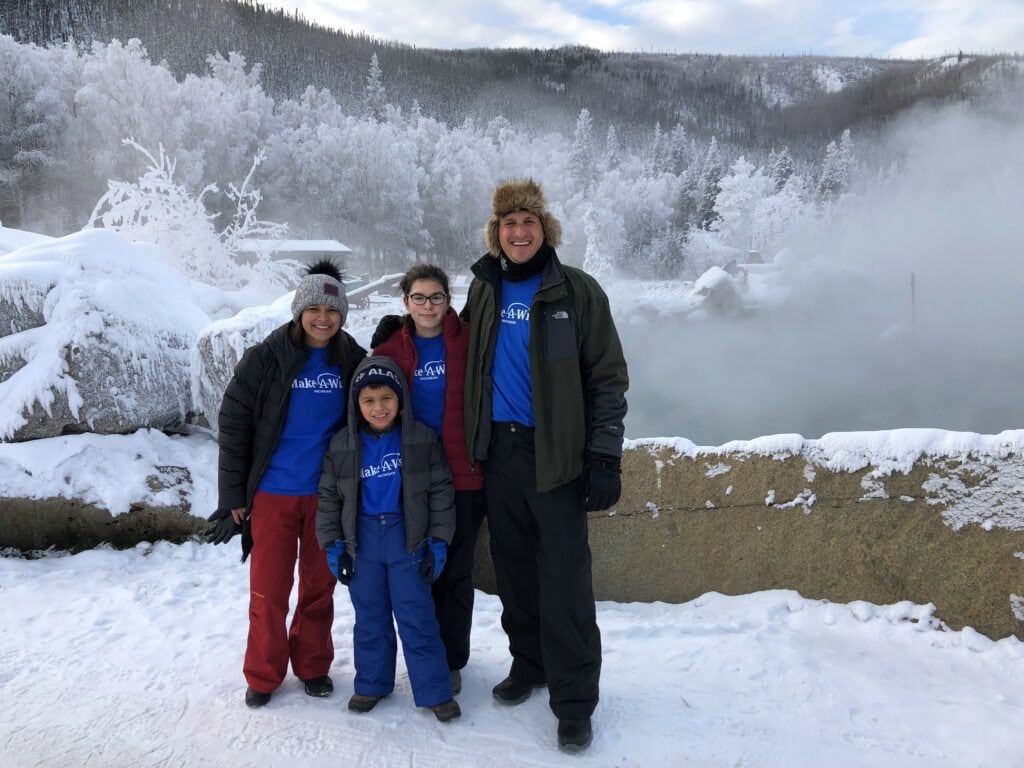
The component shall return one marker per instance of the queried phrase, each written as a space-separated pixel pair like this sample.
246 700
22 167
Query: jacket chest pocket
559 331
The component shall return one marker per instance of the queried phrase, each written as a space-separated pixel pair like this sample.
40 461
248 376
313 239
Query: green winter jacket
578 369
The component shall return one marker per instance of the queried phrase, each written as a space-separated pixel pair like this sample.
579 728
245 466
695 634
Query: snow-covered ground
133 658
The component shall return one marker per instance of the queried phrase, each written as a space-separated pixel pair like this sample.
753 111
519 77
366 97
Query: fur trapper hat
520 195
321 285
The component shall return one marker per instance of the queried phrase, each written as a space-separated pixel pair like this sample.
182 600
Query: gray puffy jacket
428 496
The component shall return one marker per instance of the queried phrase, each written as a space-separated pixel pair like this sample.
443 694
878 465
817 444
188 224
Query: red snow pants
283 526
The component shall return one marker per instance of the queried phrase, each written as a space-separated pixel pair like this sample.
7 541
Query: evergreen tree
679 150
606 240
740 192
375 98
780 167
837 168
612 150
581 155
712 171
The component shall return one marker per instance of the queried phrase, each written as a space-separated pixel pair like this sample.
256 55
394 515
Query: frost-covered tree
455 186
774 214
629 214
374 96
740 192
712 171
31 112
837 168
606 240
229 118
124 96
679 150
581 155
499 131
666 253
654 153
158 210
612 150
780 167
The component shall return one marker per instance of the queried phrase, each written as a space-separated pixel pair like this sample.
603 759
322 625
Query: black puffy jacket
252 415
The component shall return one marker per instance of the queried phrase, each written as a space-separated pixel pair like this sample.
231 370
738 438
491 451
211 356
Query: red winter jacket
401 348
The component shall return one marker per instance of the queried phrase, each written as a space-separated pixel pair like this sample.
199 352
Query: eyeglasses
434 298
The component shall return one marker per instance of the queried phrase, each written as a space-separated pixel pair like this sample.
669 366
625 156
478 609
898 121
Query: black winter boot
510 691
574 735
319 686
254 698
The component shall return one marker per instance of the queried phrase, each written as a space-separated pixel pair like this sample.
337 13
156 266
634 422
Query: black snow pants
453 590
542 566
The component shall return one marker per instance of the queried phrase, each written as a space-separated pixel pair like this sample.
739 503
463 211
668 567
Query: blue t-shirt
513 396
428 382
315 413
380 489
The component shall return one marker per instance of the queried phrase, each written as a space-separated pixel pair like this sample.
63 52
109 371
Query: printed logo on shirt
389 466
325 382
560 315
431 371
515 313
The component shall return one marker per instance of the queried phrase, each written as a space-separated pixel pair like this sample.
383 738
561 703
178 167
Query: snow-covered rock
221 345
721 292
13 239
96 335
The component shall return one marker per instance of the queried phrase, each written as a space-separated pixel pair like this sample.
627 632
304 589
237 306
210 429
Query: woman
280 410
430 347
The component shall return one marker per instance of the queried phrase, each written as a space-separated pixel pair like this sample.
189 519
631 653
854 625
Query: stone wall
946 531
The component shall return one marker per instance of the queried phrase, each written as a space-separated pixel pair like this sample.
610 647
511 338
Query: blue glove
339 561
433 559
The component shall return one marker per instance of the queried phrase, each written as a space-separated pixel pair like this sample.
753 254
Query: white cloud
899 28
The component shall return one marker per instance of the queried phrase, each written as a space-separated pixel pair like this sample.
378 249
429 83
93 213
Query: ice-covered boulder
220 346
720 292
96 335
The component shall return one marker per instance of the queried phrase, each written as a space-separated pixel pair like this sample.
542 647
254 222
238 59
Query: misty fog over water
848 349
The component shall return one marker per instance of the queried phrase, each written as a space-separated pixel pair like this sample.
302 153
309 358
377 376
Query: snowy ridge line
889 451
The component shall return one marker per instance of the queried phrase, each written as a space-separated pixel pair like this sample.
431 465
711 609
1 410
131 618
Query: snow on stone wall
976 479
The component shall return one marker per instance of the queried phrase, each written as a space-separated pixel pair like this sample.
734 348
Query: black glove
220 530
340 562
345 568
386 326
602 482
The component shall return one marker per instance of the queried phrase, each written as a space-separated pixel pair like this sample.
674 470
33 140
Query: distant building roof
294 246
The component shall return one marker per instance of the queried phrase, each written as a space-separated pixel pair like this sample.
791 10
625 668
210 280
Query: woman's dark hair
424 272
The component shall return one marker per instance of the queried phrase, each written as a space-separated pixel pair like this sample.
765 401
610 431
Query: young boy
386 514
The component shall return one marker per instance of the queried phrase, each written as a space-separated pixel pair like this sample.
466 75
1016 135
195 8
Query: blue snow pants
387 582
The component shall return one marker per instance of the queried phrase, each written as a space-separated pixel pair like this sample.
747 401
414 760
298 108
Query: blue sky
883 28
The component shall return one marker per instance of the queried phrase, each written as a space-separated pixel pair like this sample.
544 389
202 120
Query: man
545 402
